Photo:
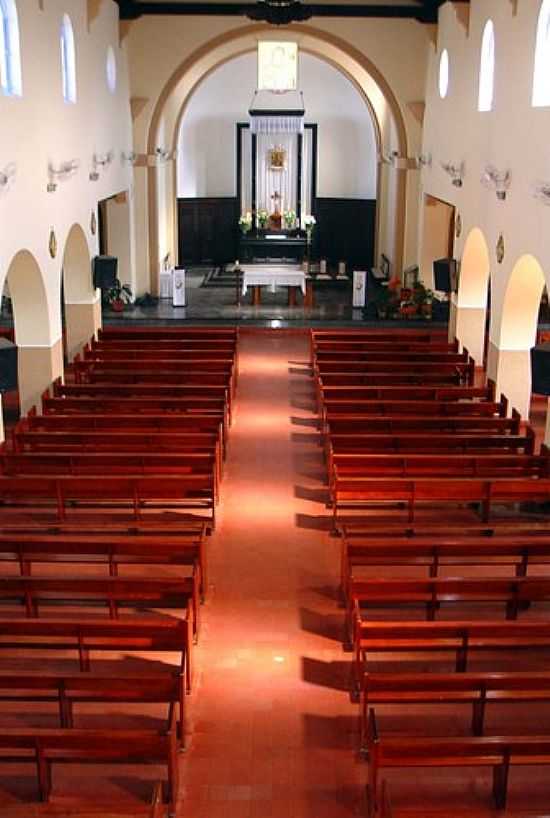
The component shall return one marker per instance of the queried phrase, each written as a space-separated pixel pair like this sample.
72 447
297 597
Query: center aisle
273 730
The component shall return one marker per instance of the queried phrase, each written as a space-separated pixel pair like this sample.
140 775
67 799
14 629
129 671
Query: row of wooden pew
428 473
107 495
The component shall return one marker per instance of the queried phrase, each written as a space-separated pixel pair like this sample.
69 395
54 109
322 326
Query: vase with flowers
245 222
262 217
309 223
289 219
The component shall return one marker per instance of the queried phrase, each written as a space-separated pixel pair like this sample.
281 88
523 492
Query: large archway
81 301
39 361
470 308
164 128
511 341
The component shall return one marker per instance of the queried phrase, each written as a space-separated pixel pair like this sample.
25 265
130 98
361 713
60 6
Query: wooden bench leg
500 782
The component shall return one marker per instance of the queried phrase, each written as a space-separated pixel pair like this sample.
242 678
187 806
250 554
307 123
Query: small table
263 275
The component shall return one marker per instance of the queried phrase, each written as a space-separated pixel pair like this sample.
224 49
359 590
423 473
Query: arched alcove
469 307
39 360
376 91
475 270
509 356
29 301
82 306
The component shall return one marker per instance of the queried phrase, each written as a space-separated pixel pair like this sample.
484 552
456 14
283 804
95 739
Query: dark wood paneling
345 231
207 230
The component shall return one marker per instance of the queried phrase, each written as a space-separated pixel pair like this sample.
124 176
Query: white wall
40 127
346 139
514 136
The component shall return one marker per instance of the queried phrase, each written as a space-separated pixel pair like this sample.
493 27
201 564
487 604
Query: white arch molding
39 361
82 301
515 333
172 102
469 306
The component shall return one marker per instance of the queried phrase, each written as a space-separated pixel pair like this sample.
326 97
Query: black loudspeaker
445 273
104 269
8 365
540 369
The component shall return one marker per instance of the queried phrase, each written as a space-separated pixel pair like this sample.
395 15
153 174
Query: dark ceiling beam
427 12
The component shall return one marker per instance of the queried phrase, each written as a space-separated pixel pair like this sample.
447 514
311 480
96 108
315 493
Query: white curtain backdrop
246 171
307 158
270 181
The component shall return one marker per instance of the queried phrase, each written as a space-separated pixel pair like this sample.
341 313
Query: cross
276 198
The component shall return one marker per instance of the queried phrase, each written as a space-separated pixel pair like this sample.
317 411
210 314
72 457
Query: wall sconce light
7 176
62 172
456 172
130 158
163 154
493 179
100 160
424 160
541 191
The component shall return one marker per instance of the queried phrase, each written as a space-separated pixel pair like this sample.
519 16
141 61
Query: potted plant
385 303
118 296
423 298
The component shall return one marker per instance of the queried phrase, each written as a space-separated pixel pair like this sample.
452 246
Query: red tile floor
272 733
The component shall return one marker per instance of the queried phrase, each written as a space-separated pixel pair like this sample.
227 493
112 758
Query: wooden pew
227 346
58 496
167 333
385 345
444 549
415 335
476 690
147 423
114 592
333 410
145 355
462 371
112 550
433 424
432 593
429 465
411 752
87 635
387 377
67 690
459 637
44 747
426 355
412 392
418 443
360 493
78 390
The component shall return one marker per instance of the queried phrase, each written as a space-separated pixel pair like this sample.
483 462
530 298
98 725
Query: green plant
119 293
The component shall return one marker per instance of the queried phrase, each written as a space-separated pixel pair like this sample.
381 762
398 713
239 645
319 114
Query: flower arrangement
395 301
308 223
289 218
245 222
262 216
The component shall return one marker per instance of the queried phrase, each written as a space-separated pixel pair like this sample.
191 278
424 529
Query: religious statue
275 218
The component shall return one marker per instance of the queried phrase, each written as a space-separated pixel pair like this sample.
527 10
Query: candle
305 267
341 268
323 266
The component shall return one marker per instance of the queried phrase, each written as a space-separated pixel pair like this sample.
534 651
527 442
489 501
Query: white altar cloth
272 276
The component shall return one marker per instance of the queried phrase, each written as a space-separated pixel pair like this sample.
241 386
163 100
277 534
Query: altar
273 276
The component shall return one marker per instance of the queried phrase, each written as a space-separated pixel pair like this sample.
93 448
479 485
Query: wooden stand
292 296
256 296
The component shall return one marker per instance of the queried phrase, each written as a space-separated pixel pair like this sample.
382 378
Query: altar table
264 275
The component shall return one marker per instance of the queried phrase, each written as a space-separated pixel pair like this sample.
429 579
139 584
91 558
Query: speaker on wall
540 369
104 269
8 365
445 274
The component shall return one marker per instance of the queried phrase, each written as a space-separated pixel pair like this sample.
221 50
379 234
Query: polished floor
215 305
